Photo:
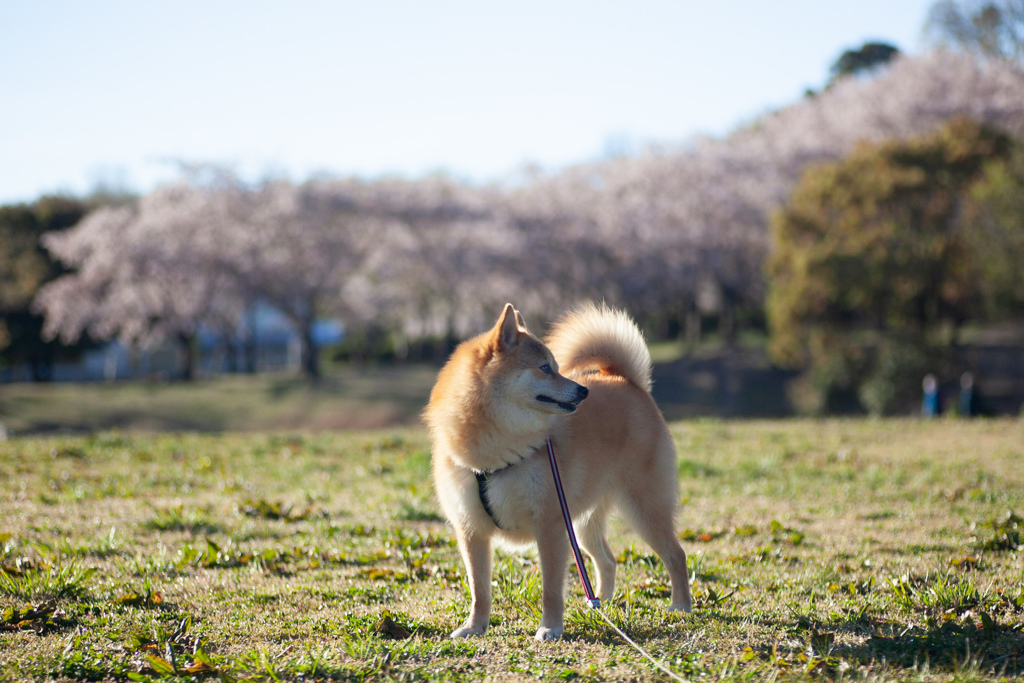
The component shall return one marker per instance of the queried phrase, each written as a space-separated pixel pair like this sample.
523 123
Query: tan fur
593 337
615 451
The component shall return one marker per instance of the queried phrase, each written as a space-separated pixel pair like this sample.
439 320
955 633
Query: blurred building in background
273 345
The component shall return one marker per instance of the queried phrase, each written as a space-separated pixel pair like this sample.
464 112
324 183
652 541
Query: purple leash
592 602
581 569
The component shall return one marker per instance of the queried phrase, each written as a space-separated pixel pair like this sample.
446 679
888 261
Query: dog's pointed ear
521 322
506 332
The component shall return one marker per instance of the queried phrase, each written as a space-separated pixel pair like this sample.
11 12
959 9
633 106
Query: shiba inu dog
587 388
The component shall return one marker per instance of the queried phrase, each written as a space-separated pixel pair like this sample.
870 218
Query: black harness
481 486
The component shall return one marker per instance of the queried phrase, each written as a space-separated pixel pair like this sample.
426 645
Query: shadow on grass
950 647
947 647
589 627
143 418
348 398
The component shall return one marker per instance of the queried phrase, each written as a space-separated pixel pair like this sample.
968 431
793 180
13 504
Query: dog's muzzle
570 405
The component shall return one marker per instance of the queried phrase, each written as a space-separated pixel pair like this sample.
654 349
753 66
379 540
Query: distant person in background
930 403
968 405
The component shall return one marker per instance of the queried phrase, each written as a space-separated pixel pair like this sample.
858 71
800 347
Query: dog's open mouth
567 407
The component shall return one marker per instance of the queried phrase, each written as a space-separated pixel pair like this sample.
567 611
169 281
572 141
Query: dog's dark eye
546 369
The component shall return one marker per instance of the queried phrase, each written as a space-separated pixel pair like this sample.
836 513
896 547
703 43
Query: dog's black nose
581 392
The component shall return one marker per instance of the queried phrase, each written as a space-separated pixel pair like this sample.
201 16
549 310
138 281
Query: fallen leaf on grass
785 534
278 510
391 628
139 599
965 563
160 665
20 567
700 536
197 668
711 598
375 573
31 617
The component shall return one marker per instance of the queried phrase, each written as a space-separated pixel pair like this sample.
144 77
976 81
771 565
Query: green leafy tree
994 228
24 267
871 273
864 59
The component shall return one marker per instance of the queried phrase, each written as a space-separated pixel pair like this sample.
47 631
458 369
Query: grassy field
838 549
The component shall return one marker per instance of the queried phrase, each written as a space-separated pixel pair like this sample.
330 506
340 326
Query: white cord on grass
639 649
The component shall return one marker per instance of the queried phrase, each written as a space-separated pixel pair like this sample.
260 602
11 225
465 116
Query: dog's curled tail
594 337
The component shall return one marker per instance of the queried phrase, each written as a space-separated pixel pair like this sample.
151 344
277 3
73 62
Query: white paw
467 631
545 633
681 608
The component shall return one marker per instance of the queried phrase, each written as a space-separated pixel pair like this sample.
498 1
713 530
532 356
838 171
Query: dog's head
523 371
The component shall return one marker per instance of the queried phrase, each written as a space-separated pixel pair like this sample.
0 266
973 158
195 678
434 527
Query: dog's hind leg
476 553
656 528
649 507
593 540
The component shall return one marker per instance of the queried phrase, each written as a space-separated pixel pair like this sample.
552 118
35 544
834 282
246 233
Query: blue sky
113 92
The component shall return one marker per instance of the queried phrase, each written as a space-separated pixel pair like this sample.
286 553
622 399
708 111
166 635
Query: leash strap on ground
639 649
593 602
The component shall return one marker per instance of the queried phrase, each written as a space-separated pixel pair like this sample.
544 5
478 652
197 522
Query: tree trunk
691 328
310 358
251 354
188 345
451 340
727 324
230 354
251 347
40 364
310 355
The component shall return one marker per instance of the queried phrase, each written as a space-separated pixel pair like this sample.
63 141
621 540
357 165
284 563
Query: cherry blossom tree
292 247
440 261
674 220
666 233
141 273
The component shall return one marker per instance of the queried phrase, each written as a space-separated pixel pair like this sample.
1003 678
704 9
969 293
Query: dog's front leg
476 554
553 549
